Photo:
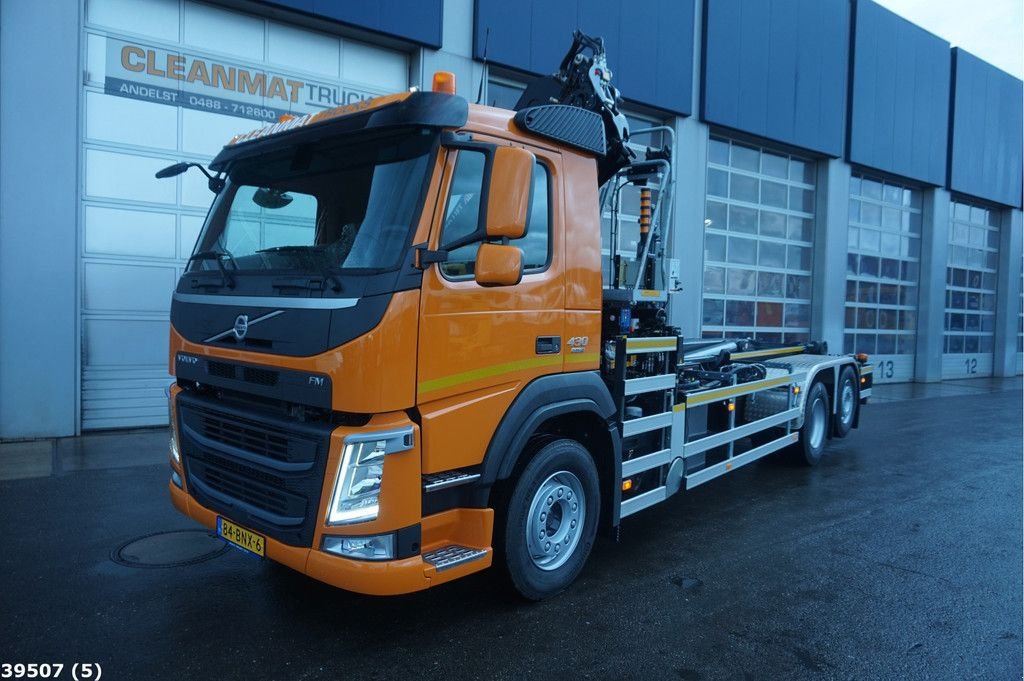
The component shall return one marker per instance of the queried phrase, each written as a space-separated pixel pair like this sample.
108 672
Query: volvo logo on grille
241 327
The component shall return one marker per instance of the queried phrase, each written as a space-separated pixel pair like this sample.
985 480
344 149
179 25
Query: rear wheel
846 409
551 520
815 429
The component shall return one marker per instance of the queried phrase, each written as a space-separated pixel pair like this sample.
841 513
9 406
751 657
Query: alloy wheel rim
847 402
555 521
817 434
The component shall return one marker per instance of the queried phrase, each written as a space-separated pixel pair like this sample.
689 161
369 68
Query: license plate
244 539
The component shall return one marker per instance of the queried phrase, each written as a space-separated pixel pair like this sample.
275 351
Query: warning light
862 357
796 390
627 484
863 379
285 118
444 81
732 406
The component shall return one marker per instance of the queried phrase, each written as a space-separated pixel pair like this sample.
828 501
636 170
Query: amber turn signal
627 485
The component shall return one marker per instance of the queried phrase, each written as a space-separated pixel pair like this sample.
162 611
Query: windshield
348 206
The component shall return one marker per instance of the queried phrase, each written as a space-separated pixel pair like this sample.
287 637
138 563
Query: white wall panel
128 121
125 342
362 63
95 59
220 30
112 287
114 231
158 18
188 233
204 133
195 190
302 50
114 175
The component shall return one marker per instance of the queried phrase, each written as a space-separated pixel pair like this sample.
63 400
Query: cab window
462 217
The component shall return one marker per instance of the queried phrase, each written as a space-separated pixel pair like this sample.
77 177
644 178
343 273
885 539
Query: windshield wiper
329 279
218 257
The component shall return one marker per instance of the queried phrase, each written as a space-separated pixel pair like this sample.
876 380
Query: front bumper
466 527
400 508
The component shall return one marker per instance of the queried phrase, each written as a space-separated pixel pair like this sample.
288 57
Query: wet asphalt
899 557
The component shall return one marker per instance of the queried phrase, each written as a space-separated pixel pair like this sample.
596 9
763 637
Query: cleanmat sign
194 81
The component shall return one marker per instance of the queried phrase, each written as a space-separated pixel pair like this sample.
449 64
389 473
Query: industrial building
843 174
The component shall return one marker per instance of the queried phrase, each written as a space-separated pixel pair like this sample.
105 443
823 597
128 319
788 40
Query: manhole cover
174 548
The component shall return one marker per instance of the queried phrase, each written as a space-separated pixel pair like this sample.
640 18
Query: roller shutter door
882 274
165 81
972 263
758 241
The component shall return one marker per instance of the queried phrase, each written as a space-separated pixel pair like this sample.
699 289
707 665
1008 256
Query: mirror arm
424 257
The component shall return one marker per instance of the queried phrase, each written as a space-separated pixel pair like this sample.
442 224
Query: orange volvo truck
417 337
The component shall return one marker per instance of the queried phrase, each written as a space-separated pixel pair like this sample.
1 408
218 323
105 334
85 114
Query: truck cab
397 353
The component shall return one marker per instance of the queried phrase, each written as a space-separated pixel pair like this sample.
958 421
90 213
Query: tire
847 403
542 501
814 433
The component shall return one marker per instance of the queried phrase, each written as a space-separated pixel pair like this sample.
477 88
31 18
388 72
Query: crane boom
584 80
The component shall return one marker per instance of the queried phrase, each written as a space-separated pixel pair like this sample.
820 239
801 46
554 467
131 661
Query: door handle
549 345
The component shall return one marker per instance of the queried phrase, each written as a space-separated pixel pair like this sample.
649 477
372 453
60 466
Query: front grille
261 470
259 376
246 435
236 372
221 369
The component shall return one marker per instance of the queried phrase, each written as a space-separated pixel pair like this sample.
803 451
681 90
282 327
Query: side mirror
216 184
508 200
498 265
172 170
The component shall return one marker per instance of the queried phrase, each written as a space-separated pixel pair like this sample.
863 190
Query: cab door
478 346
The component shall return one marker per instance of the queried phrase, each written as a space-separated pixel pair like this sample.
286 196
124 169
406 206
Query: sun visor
405 110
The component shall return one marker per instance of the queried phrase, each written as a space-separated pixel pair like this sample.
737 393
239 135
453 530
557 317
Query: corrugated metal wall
650 45
415 20
899 114
988 106
777 69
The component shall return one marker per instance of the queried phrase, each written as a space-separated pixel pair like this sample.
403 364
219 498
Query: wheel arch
575 405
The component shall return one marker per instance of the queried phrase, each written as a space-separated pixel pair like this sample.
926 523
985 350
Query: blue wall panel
778 69
416 20
985 156
649 45
899 120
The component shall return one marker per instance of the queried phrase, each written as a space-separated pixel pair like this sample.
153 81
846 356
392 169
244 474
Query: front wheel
551 520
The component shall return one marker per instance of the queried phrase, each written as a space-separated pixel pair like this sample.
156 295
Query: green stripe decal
487 372
578 357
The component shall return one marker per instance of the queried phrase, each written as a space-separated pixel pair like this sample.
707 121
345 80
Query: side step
449 556
432 482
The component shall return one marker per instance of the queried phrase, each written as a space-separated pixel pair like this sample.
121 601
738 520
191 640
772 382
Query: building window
503 93
758 238
882 273
971 279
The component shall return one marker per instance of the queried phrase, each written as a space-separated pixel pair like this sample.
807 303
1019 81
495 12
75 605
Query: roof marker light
444 81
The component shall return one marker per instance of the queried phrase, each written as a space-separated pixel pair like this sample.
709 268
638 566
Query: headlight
375 547
175 454
356 496
173 444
